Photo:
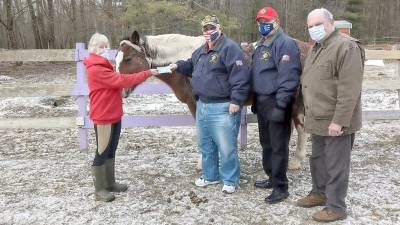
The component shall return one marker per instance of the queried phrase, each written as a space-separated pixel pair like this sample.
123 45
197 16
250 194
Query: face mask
265 28
211 35
317 33
105 53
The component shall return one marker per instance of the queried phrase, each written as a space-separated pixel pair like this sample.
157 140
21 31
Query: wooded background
62 23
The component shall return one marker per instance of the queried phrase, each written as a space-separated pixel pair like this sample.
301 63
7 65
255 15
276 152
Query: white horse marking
169 48
118 60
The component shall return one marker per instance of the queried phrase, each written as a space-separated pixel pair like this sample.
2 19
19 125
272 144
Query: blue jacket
218 74
276 68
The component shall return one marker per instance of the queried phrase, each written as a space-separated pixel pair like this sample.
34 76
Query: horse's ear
135 37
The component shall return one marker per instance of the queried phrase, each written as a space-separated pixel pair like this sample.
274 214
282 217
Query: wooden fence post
81 92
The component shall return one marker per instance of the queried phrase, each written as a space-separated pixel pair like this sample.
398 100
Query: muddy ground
45 178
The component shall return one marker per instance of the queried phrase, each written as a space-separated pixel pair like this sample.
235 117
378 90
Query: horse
137 54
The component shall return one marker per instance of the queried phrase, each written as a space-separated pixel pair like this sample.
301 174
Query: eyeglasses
209 27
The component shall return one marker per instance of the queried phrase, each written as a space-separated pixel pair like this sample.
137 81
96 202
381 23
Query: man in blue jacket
276 70
221 83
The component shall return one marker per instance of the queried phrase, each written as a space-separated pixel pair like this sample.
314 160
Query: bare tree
35 27
50 24
42 28
9 25
83 23
74 16
109 20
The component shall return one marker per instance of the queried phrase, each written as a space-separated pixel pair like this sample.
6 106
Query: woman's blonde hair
97 43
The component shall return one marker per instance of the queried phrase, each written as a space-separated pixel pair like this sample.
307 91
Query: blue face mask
265 28
214 35
211 35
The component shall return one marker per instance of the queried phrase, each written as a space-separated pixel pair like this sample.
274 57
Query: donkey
136 54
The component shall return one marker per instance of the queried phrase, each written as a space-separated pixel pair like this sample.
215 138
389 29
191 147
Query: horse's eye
127 59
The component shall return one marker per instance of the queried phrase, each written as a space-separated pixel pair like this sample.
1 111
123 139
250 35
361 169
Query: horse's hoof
294 164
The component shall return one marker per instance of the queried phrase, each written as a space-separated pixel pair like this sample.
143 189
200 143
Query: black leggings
107 136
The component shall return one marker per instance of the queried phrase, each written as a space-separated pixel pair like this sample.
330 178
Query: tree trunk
38 43
109 24
75 31
12 40
50 25
42 28
83 29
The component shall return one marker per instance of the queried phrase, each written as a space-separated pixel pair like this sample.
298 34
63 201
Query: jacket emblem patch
286 58
214 57
265 55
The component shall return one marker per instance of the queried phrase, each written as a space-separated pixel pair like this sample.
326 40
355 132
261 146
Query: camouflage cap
210 19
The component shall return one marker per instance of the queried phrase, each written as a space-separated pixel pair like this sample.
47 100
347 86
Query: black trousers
274 139
107 138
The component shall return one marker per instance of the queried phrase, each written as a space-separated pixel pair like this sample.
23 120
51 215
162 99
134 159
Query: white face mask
105 53
317 33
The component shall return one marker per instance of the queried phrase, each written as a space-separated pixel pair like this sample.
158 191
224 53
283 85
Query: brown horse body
140 55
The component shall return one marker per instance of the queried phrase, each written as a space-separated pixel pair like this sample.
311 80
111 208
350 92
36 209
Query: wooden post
81 98
397 71
398 94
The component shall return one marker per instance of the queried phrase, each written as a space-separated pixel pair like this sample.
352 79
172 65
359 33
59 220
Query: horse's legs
191 103
300 153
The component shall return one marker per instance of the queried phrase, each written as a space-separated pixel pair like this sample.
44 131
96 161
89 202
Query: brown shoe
328 215
311 200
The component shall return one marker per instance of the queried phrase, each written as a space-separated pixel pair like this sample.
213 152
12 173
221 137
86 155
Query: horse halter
138 48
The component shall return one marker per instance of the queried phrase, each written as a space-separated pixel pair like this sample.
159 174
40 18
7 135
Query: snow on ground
45 178
373 62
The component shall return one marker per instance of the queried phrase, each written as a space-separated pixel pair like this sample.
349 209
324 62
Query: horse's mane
169 48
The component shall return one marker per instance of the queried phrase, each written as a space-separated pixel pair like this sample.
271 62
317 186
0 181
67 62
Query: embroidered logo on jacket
265 55
214 57
286 58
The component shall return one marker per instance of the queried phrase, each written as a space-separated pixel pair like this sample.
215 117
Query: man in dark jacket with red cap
276 70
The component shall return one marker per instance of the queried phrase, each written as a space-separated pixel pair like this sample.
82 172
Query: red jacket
105 88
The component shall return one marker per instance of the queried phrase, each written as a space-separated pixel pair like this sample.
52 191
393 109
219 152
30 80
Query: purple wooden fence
85 123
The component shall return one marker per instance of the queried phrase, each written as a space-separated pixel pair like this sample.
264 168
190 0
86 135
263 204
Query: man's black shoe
276 196
263 184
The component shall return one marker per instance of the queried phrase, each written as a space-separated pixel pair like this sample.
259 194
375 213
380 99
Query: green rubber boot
99 180
111 185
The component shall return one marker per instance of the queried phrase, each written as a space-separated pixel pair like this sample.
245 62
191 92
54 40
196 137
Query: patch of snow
375 62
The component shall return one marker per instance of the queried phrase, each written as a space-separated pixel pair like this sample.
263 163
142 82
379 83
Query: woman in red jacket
105 88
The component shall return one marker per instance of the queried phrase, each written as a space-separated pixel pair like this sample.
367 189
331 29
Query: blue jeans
217 133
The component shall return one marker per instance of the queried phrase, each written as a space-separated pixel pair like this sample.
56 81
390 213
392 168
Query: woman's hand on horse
154 72
173 66
233 108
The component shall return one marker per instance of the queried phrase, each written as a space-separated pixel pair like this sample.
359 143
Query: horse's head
132 57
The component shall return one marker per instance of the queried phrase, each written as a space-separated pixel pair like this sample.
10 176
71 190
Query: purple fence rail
81 92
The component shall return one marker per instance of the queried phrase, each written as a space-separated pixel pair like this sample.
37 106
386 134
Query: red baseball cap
267 13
